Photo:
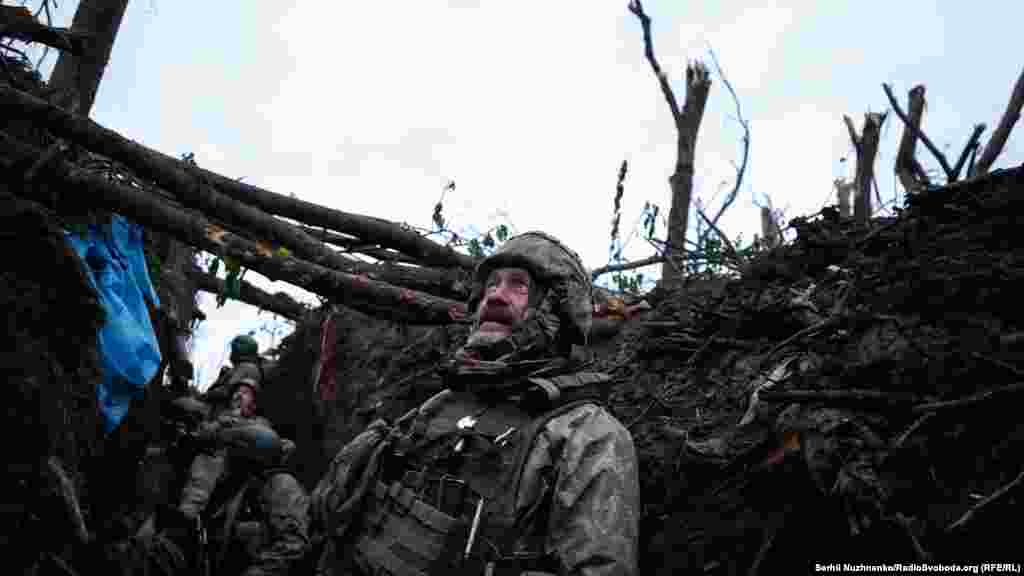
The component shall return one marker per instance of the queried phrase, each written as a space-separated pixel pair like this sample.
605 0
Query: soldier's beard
486 338
530 338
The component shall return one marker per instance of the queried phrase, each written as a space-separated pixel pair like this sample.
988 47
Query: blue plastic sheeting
115 263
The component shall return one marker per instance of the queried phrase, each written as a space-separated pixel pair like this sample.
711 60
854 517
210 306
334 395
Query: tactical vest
444 497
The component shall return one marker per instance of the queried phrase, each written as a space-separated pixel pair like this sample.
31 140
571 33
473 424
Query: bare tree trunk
698 84
77 78
162 168
908 169
867 148
687 123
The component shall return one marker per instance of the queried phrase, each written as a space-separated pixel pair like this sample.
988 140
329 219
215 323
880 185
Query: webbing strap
408 501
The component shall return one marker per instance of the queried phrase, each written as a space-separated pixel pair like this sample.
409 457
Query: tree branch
741 170
666 89
280 303
969 149
1002 133
157 166
730 249
917 132
852 131
988 500
18 23
656 259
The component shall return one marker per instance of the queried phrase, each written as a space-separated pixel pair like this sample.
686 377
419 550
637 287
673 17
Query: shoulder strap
551 392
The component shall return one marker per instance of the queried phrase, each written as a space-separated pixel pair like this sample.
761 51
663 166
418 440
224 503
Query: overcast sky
530 106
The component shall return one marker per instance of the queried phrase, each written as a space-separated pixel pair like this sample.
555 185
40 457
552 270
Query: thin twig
62 564
970 400
766 545
691 365
902 438
826 323
643 413
995 496
919 133
742 168
673 263
725 239
904 522
1000 363
872 397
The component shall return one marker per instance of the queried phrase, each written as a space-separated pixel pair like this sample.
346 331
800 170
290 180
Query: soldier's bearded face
504 304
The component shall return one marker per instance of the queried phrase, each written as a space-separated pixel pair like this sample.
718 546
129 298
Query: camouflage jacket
593 517
579 480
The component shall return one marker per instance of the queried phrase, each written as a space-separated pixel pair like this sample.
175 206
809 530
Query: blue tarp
115 264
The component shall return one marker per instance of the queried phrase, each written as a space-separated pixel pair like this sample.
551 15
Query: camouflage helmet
244 345
553 266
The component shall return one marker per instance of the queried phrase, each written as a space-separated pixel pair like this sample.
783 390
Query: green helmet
243 346
553 266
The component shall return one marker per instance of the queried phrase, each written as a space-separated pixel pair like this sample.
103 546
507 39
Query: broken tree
866 146
76 78
687 124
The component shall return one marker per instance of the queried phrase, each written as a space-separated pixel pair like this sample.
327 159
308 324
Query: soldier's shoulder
589 419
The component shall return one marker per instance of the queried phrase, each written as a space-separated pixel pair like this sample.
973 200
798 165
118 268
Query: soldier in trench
239 493
515 467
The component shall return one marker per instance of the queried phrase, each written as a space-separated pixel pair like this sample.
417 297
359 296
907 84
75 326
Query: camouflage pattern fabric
203 475
284 505
209 467
594 513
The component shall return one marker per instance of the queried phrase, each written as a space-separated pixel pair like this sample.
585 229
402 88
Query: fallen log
355 245
280 303
254 225
160 167
71 185
193 190
656 259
